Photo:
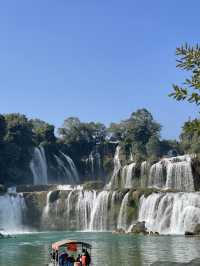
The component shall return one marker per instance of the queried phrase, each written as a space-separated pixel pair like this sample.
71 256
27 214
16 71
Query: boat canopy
70 244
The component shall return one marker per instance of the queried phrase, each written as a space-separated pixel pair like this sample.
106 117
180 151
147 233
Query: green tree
2 128
153 147
190 137
18 148
43 132
141 126
188 59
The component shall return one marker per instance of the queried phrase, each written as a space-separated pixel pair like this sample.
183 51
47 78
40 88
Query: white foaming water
128 176
179 176
84 210
72 168
170 213
11 213
38 166
99 213
144 174
117 167
63 167
122 219
175 173
47 206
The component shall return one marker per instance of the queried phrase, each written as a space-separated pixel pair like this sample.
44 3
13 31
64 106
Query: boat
70 253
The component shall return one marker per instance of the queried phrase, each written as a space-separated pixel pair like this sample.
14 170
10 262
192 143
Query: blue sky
98 60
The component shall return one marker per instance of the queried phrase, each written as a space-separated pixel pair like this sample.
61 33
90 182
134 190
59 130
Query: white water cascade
65 170
170 213
175 173
128 176
85 210
11 213
72 168
99 213
117 167
38 166
122 219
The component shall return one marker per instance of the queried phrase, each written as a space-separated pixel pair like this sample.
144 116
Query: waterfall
157 176
91 163
47 206
72 168
85 204
117 166
38 166
11 213
170 213
64 169
99 215
172 173
179 176
122 219
144 174
83 210
128 175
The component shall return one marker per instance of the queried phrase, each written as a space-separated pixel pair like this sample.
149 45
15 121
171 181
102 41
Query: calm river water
108 249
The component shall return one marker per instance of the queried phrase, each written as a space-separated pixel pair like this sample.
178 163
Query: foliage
189 60
43 132
190 138
141 126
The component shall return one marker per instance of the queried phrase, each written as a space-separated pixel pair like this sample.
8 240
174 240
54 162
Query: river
108 249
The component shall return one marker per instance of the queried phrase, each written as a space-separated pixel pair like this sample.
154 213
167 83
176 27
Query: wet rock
119 231
154 233
197 229
139 228
2 189
188 233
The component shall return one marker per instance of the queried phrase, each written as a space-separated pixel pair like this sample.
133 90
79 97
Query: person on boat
88 259
63 259
83 260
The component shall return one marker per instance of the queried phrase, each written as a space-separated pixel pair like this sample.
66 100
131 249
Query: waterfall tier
168 173
38 167
170 213
64 168
86 210
12 208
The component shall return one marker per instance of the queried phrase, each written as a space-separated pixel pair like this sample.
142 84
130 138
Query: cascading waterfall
85 210
64 169
38 166
128 175
179 176
99 213
144 174
170 213
11 213
72 168
117 166
122 219
47 207
85 205
175 173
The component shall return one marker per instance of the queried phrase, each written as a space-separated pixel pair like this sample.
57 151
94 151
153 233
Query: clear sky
98 60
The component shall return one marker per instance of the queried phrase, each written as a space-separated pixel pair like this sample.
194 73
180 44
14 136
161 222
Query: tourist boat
69 250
